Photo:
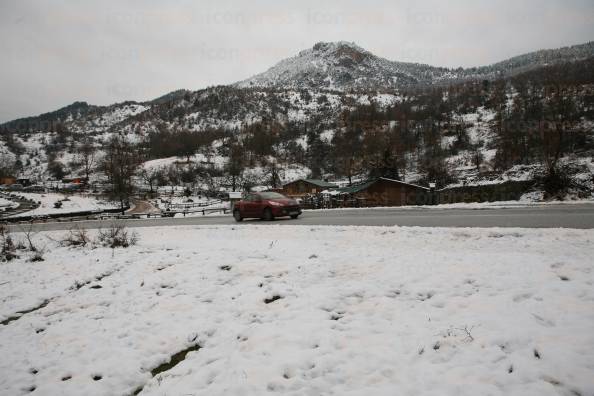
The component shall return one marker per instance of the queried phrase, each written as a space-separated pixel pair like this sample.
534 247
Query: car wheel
237 216
294 216
268 216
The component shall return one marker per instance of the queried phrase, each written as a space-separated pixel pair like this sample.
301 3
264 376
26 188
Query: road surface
542 216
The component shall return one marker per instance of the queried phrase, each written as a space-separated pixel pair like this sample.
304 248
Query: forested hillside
536 124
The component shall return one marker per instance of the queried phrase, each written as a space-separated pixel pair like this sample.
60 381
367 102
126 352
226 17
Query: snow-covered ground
177 199
305 310
6 204
74 203
478 205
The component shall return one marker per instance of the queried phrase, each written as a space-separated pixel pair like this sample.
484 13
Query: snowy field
304 310
6 204
73 204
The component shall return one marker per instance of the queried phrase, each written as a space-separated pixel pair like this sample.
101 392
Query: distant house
24 181
75 180
298 188
386 192
8 180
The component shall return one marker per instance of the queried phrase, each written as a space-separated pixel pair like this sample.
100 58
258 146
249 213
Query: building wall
299 188
7 180
507 191
386 193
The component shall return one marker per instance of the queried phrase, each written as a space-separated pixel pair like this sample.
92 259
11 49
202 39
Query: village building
384 192
24 181
301 187
75 180
7 180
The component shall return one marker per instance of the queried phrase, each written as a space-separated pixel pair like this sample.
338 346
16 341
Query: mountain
336 99
536 59
345 66
334 66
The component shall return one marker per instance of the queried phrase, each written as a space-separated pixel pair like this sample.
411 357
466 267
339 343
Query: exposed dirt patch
20 314
272 299
175 359
78 285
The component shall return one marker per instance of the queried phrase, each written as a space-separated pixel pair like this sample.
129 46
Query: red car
266 205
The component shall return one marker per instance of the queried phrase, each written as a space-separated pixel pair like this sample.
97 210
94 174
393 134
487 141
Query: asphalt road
543 216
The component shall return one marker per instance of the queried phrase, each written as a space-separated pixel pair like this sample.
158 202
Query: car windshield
272 195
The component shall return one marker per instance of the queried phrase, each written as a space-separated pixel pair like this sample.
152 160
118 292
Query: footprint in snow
522 297
543 321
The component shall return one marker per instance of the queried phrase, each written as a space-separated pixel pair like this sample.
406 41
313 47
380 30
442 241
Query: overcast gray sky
55 52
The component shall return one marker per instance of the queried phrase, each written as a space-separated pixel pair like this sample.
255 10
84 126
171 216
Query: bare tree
477 156
7 165
120 165
236 164
188 143
7 246
347 144
151 177
86 157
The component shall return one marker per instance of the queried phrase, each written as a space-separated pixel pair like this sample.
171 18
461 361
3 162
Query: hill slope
338 104
346 66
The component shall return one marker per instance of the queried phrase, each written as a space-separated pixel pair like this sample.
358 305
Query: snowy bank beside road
305 310
7 204
475 205
74 203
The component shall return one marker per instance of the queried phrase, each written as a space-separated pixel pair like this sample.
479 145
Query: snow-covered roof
362 186
317 182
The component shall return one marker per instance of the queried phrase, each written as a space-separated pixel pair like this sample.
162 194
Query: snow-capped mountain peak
332 65
345 66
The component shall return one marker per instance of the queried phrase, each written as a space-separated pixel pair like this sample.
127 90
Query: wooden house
8 180
386 192
301 187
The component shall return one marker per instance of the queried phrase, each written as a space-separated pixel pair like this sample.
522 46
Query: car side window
251 198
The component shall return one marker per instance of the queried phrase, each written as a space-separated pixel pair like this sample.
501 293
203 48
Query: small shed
301 187
25 182
387 192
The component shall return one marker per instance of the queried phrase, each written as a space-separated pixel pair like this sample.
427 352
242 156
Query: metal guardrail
191 205
115 214
89 214
172 213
